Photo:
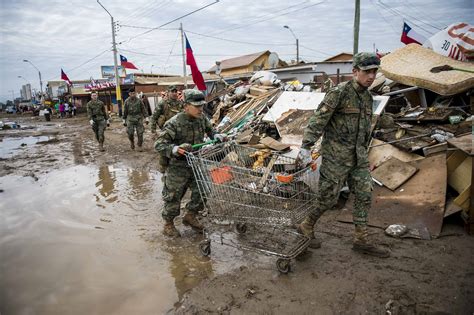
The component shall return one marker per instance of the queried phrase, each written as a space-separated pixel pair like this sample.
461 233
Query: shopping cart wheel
241 228
205 247
283 265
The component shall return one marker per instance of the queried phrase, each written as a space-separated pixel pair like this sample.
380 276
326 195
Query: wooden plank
460 178
256 91
464 199
454 160
463 143
440 147
393 173
378 155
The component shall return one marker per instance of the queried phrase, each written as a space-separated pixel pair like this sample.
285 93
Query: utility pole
184 56
118 93
297 44
39 73
356 27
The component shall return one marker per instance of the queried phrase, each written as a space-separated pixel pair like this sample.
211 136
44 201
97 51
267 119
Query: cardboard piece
393 173
274 144
420 202
380 154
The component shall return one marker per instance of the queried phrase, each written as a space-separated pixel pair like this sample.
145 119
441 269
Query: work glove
124 122
147 121
303 158
220 137
91 122
181 149
108 122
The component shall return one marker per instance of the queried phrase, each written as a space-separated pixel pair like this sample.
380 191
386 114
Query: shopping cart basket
255 187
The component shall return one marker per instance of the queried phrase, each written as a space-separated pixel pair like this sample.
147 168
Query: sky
76 35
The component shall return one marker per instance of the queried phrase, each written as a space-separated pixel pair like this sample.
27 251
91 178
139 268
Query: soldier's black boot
101 146
190 219
170 230
362 244
132 145
307 229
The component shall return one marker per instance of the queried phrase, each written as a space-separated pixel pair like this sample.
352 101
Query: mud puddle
12 146
86 240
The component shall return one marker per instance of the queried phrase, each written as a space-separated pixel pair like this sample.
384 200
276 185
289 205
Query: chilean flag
410 36
65 78
126 64
191 62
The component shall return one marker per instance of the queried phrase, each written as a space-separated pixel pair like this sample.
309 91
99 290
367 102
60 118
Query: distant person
74 109
66 109
62 109
98 118
133 116
147 104
166 109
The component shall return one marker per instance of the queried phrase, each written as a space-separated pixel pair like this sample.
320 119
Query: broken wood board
412 63
393 173
274 144
464 143
418 202
291 125
380 154
255 91
459 166
451 208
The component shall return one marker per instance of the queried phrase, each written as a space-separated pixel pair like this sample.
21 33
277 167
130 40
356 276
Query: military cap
366 61
194 97
172 88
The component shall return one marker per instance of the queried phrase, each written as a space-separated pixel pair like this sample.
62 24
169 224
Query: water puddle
86 240
11 146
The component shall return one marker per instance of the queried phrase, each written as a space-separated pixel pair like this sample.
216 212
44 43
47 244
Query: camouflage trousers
135 124
99 127
178 178
333 175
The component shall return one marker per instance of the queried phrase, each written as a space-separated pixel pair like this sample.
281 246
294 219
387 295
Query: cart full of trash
261 193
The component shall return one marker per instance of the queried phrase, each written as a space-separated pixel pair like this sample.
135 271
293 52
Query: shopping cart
257 188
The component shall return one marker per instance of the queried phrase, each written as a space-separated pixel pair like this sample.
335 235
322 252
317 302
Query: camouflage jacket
134 109
164 111
182 129
344 120
96 110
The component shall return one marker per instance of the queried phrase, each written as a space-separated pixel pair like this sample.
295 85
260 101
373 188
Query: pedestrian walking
98 118
133 116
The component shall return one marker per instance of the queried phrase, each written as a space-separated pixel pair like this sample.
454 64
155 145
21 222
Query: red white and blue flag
65 77
127 64
191 62
409 36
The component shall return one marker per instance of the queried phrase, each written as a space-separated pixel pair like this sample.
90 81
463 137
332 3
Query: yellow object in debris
260 155
315 155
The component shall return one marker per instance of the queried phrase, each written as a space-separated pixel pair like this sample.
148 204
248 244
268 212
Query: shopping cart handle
200 145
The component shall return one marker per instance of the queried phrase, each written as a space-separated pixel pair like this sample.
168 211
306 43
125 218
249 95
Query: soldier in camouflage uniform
344 120
133 116
165 110
98 118
178 135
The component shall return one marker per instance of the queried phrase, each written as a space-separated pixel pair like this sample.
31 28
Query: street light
297 44
39 72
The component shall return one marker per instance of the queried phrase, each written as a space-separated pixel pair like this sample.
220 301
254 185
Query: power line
318 51
237 41
176 19
270 18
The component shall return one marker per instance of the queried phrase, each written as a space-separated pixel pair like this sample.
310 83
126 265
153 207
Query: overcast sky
76 35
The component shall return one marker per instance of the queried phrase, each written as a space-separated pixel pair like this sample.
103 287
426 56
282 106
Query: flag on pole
410 36
65 77
191 62
126 64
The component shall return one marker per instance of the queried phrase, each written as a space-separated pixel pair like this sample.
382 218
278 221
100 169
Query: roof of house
344 56
240 61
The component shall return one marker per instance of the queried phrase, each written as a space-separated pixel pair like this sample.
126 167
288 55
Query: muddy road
80 234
